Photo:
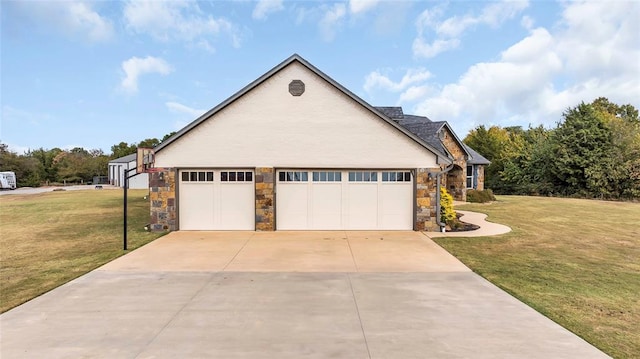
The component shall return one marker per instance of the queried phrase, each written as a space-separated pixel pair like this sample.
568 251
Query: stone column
265 199
425 200
162 194
480 186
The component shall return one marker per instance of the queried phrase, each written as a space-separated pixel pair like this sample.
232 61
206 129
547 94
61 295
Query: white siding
269 127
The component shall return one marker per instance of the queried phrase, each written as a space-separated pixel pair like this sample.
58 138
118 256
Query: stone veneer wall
162 193
480 179
265 197
425 201
456 180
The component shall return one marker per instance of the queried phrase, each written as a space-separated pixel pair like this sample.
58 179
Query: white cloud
265 7
177 20
448 32
135 67
180 108
414 93
591 52
527 22
21 150
77 18
331 21
426 50
362 6
378 80
16 115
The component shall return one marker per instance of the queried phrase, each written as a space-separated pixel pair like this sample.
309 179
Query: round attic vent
296 87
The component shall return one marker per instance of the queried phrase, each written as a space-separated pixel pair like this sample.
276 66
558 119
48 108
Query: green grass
51 238
575 261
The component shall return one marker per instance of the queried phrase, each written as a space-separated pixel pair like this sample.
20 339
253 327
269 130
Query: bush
476 196
447 213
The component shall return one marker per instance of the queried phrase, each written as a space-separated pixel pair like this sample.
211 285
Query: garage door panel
197 206
326 206
337 200
234 200
292 206
396 205
206 202
362 204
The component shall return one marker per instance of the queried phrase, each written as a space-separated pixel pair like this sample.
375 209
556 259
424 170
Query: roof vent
296 87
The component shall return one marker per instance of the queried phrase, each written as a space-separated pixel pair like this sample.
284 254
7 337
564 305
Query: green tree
28 170
149 143
122 149
584 154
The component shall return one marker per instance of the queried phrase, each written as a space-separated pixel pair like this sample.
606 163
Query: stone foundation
265 199
162 194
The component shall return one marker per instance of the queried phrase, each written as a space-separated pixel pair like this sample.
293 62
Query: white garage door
352 200
216 200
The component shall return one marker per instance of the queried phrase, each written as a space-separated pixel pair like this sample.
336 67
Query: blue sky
92 74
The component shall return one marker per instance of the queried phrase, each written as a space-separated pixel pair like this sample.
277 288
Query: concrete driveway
284 295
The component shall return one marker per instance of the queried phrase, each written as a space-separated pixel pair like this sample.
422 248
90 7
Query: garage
344 200
212 199
319 158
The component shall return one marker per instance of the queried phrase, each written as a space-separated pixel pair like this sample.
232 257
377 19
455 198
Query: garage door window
324 176
396 176
363 176
293 176
236 176
197 176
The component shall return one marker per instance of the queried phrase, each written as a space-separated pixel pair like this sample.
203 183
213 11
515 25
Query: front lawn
51 238
576 261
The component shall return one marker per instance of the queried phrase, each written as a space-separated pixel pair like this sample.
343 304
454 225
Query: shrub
447 213
476 196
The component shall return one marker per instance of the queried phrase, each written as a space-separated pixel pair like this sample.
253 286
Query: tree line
593 152
56 166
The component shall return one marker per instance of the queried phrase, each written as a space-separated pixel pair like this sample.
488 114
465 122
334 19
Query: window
363 176
324 176
197 176
293 176
469 176
236 176
396 176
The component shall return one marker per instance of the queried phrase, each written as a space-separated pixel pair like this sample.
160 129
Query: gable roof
476 158
124 159
441 156
424 128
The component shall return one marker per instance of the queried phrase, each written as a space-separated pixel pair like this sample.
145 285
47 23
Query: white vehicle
7 180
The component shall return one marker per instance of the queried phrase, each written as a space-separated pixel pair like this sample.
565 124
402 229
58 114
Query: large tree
593 152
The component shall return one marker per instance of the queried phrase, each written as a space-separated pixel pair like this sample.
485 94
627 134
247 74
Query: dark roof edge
476 158
441 157
124 159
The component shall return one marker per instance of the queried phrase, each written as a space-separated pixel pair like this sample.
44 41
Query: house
295 150
468 165
116 173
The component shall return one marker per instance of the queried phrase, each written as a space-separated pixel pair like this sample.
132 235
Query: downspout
438 205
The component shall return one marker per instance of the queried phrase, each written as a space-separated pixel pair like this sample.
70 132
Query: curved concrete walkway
479 219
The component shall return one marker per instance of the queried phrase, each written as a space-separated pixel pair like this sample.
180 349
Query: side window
293 176
363 176
469 176
396 176
236 176
197 176
324 176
